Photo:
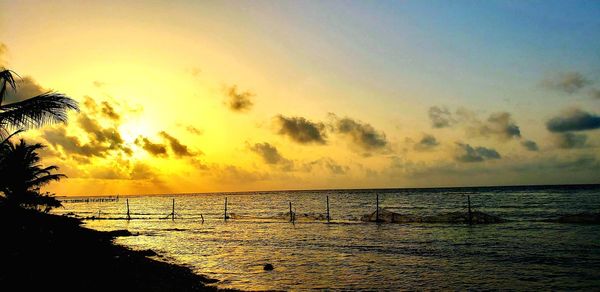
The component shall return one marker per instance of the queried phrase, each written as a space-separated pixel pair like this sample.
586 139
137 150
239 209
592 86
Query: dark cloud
427 142
109 111
573 120
570 140
100 135
569 82
90 105
334 167
530 145
177 147
27 87
328 164
271 155
268 152
193 130
58 137
141 171
239 101
500 125
477 154
156 149
361 134
301 130
100 139
440 117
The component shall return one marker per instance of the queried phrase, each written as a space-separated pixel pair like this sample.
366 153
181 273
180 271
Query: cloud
595 93
271 155
100 135
239 101
427 142
100 139
500 125
236 175
334 167
3 51
176 146
466 153
99 84
530 145
27 87
361 134
109 111
569 82
193 130
156 149
573 120
440 117
328 164
58 137
301 130
141 171
570 140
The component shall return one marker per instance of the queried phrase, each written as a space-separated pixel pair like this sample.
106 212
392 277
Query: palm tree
34 112
23 176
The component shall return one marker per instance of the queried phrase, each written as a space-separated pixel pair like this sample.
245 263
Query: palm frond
44 180
8 136
47 108
6 77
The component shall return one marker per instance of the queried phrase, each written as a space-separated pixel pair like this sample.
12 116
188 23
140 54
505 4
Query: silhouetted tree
23 176
34 112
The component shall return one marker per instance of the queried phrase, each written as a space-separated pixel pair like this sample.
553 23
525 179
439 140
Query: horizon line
335 189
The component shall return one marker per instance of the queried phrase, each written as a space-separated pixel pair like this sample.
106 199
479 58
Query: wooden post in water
202 217
377 206
291 214
173 211
225 215
328 217
469 206
127 202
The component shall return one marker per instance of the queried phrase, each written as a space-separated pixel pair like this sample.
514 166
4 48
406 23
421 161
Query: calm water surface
524 253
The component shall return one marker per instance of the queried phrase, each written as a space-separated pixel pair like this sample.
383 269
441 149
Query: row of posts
293 213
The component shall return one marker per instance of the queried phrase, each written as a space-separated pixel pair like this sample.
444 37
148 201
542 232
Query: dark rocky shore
54 253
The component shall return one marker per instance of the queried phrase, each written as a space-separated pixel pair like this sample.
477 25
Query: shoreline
45 251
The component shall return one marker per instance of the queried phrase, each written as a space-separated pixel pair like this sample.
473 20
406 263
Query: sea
530 251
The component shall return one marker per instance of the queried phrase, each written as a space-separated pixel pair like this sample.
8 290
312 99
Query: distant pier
91 200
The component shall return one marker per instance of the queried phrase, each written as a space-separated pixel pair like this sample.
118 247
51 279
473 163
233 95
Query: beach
54 253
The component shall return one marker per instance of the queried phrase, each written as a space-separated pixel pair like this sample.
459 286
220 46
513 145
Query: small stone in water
268 267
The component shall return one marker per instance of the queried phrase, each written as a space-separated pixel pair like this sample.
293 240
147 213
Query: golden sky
187 96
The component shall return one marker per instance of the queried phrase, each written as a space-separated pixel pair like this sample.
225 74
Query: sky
211 96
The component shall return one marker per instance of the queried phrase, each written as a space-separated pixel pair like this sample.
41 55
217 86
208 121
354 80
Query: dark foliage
23 176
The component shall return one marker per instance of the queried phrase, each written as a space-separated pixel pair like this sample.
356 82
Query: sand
54 253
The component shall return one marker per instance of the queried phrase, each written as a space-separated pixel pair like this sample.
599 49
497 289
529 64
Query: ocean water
525 253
